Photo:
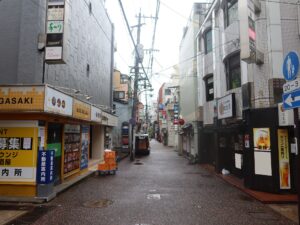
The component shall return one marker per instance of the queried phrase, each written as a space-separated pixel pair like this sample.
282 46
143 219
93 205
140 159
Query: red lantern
181 121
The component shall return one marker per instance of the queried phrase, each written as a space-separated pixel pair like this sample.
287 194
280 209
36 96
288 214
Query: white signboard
18 174
285 117
55 27
53 53
96 114
58 102
226 107
56 2
56 14
262 163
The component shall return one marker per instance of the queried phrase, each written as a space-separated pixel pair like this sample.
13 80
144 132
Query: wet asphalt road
162 190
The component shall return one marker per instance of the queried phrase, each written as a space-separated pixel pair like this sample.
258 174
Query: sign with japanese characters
57 102
226 106
55 13
55 27
22 98
96 114
45 170
81 110
284 162
18 154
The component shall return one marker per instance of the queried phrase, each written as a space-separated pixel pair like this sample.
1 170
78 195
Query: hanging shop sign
262 151
81 110
45 169
55 13
18 147
22 98
53 53
54 40
226 106
57 102
55 27
56 2
96 114
85 137
284 162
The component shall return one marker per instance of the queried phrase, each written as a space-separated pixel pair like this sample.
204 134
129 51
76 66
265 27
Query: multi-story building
123 109
55 94
189 110
241 47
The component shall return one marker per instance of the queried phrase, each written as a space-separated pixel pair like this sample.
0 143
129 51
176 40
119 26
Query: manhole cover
264 216
98 203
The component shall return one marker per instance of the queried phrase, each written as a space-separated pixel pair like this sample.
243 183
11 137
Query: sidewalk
284 204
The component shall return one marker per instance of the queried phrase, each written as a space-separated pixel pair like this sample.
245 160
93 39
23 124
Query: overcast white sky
173 16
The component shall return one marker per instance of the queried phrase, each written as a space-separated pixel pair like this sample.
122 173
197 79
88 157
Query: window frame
208 86
228 5
117 94
233 64
209 31
123 79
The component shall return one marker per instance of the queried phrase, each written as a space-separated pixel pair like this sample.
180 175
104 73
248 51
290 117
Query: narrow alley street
159 189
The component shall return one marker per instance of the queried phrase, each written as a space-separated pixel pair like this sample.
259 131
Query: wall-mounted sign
55 27
261 139
18 154
284 162
290 66
226 106
54 40
56 2
85 137
22 98
96 114
81 110
56 13
53 53
58 102
285 117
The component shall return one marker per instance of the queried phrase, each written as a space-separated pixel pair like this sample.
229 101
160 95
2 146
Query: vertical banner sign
55 30
284 163
45 170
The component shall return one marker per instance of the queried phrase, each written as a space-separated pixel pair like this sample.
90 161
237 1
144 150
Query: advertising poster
18 149
262 141
84 147
45 169
284 164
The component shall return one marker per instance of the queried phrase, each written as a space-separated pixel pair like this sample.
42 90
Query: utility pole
135 88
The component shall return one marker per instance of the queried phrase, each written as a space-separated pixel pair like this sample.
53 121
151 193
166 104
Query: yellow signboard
284 163
18 153
22 98
81 110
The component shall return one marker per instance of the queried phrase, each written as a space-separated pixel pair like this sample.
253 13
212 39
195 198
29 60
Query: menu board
71 150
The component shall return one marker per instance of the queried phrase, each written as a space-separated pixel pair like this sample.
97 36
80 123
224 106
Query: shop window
233 72
208 41
231 12
209 86
119 94
123 79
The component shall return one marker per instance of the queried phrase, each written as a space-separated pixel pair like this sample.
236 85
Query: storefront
36 120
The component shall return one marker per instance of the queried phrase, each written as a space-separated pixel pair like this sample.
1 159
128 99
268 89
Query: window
208 41
231 12
123 79
119 94
209 86
167 91
233 72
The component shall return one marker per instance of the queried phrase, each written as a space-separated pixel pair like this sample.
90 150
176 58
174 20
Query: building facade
241 47
56 95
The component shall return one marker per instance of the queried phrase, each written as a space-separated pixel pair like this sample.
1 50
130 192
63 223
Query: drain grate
98 203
